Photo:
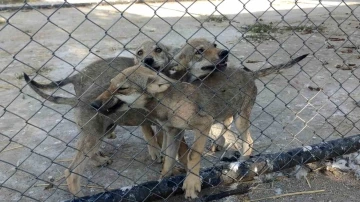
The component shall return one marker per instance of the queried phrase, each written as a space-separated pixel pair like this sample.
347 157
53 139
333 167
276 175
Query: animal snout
223 54
96 104
149 61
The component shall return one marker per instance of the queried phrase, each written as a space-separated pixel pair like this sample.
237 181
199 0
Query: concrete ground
288 114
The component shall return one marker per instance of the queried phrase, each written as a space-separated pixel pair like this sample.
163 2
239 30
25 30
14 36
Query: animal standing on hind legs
184 106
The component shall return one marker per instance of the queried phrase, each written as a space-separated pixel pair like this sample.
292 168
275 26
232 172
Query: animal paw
191 186
155 154
73 183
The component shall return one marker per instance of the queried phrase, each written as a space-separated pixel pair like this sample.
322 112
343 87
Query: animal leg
88 145
217 132
153 146
192 183
242 124
173 137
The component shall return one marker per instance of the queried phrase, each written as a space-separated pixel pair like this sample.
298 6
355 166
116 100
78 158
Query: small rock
51 178
278 191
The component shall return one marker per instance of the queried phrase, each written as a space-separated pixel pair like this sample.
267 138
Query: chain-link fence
239 67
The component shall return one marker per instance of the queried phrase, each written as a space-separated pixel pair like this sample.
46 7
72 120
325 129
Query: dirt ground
54 43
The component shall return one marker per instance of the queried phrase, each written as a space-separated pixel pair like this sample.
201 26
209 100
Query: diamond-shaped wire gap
269 130
349 47
58 19
297 103
338 95
264 30
22 20
18 167
9 45
355 94
239 18
123 31
124 19
334 120
162 12
53 177
107 48
23 130
108 31
328 110
341 78
258 30
350 84
28 164
11 124
305 20
194 16
187 27
53 142
16 158
7 173
293 129
14 193
36 63
256 120
154 28
103 16
355 12
142 28
288 113
340 30
58 35
72 51
88 34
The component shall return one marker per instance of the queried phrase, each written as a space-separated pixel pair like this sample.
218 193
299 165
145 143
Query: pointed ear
156 84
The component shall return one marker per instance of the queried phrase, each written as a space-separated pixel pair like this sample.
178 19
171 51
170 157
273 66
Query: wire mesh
89 42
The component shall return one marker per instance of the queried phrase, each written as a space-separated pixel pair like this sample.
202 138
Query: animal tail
277 68
51 85
55 99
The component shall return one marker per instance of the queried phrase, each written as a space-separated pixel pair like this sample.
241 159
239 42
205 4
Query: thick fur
88 84
183 106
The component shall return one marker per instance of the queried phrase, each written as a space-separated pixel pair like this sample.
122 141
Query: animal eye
200 51
140 52
215 45
158 50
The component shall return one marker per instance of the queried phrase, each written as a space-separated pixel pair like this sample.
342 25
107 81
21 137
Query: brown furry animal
179 106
